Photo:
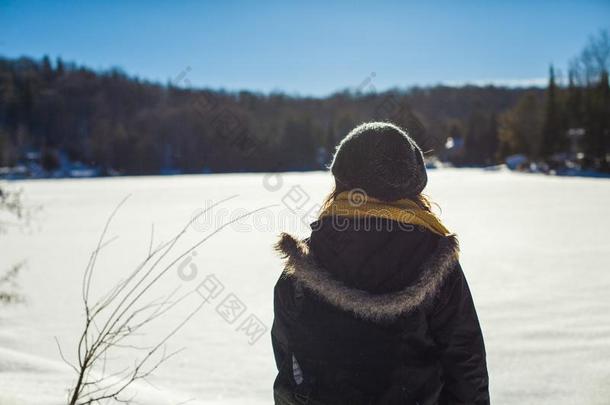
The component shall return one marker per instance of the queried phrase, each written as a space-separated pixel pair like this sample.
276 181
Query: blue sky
308 48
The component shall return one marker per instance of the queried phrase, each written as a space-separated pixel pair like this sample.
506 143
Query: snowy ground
535 251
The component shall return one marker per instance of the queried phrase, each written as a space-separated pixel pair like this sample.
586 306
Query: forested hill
122 124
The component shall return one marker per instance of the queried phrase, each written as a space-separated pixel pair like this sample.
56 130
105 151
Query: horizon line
365 88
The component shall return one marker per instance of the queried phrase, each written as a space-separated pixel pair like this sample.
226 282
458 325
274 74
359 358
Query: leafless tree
587 68
13 210
121 314
8 285
14 213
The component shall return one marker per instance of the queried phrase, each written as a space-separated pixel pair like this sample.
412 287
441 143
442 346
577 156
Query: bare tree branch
120 315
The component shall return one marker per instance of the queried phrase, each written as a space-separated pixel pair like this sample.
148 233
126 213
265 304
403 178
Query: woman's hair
421 200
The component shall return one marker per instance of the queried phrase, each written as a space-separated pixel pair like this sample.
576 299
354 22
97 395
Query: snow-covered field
535 250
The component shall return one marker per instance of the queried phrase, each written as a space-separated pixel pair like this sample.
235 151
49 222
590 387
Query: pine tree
47 69
59 67
574 114
552 132
600 120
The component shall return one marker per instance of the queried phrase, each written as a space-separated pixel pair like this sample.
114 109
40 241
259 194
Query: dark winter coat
375 316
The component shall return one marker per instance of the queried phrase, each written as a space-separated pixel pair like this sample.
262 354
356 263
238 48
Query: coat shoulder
301 267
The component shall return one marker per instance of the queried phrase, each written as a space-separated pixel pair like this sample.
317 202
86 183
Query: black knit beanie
382 160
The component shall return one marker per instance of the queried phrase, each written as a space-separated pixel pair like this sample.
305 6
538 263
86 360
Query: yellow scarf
357 205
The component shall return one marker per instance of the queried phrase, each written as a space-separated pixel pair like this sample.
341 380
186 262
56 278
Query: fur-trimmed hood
301 264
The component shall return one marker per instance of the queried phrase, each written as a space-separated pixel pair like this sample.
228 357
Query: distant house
454 150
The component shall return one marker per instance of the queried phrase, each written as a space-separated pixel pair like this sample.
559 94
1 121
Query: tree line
126 125
572 116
